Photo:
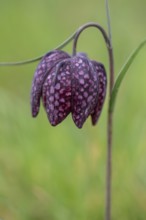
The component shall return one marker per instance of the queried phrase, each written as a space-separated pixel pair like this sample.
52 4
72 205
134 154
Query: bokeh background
49 173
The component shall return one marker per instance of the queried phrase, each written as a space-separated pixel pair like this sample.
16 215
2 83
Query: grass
49 173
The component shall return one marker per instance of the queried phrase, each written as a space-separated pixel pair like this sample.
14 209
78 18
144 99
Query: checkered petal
84 89
101 73
57 93
42 71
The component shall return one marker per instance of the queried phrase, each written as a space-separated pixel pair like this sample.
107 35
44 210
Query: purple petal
84 89
43 69
100 71
57 93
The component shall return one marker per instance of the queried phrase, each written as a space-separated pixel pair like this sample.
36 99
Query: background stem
67 41
108 20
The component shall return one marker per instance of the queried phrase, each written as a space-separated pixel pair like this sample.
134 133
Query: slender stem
108 199
67 41
85 26
109 143
110 119
108 20
108 42
18 63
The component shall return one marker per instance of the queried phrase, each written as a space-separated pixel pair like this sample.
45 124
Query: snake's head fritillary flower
68 84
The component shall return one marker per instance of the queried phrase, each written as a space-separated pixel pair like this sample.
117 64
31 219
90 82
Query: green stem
85 26
109 144
109 124
108 20
67 41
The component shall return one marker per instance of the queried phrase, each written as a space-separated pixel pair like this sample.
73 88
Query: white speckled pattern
67 84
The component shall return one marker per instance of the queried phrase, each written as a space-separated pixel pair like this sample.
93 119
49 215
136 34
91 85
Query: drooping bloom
68 84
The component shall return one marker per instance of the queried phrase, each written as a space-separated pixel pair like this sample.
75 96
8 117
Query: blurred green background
49 173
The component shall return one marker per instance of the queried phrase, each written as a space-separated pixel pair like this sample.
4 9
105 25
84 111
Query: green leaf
121 75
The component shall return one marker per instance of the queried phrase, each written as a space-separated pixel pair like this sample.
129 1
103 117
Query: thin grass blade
121 75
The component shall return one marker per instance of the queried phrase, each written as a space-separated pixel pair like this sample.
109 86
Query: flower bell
68 84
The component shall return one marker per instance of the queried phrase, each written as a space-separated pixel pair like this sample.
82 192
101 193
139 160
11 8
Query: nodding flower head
69 84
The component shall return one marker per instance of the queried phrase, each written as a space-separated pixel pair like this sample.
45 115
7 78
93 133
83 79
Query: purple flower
69 84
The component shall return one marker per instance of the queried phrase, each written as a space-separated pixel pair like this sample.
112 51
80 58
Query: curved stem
18 63
82 28
67 41
108 42
110 118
